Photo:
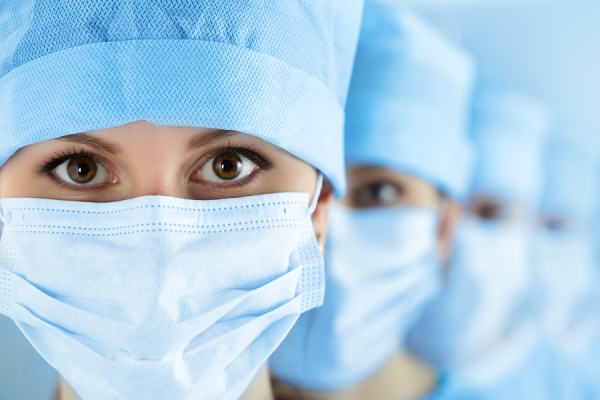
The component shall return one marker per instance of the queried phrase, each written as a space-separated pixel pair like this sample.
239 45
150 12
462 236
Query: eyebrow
211 137
93 142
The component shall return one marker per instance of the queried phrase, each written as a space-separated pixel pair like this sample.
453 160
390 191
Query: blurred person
479 332
565 264
409 161
166 173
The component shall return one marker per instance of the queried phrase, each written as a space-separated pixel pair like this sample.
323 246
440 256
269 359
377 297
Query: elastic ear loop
444 206
315 199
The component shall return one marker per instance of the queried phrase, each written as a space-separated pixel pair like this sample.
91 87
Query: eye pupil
489 211
378 194
227 166
383 193
82 169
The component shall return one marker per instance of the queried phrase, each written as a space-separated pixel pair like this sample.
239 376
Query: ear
320 217
452 214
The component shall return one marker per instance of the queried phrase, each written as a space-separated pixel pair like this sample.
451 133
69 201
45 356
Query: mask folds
565 267
157 297
481 319
381 269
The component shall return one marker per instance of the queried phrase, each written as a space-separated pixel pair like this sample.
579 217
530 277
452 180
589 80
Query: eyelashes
57 159
248 151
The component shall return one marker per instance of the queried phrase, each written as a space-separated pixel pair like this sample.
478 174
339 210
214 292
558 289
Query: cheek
20 177
294 176
13 185
2 179
9 186
423 196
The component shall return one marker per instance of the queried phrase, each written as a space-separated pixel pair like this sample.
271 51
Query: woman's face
141 159
370 186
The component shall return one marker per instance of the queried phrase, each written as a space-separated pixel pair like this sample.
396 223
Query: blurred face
377 187
555 222
492 209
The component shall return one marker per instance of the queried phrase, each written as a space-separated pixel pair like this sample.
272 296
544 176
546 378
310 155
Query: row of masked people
460 263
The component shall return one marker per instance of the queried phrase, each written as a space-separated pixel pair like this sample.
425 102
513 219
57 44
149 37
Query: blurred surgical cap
409 99
572 164
278 71
509 130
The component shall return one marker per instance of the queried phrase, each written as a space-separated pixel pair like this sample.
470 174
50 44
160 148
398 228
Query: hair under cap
276 70
409 100
509 129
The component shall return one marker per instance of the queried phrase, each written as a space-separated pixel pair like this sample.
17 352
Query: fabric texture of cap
275 70
409 100
572 166
509 130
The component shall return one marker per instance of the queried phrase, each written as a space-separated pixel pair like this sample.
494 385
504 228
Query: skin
403 377
143 159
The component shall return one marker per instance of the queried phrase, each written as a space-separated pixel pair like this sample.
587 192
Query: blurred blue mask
158 297
479 321
566 270
381 268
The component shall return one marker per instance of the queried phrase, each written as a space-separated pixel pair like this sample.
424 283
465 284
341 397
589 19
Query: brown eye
488 211
555 223
381 194
82 169
227 166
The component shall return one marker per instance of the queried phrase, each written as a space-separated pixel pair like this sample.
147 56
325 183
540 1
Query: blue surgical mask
23 372
566 272
159 297
381 268
480 326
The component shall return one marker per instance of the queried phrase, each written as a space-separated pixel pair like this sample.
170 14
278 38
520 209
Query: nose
160 182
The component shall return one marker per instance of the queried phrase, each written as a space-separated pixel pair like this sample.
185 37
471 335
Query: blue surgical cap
509 129
278 70
409 99
572 165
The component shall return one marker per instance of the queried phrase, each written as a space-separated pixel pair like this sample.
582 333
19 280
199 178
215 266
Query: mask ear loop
315 200
445 261
1 222
443 207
